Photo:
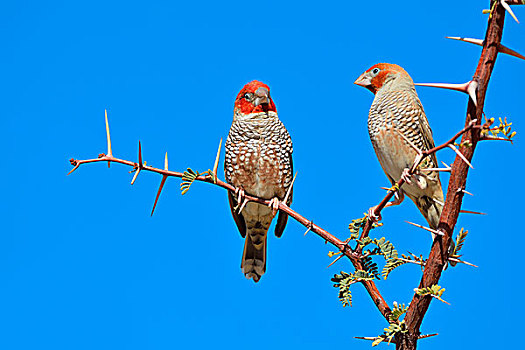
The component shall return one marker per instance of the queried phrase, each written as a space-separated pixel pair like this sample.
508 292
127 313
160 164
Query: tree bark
405 341
439 254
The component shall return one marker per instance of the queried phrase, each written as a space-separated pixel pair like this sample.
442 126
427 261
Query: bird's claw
405 175
239 192
241 200
372 215
243 205
274 205
399 196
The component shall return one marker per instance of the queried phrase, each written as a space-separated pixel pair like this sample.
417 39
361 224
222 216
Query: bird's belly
393 152
260 170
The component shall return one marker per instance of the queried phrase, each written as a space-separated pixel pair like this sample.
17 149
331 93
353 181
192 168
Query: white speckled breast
259 155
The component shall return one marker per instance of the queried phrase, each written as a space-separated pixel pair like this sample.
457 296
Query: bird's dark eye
248 95
375 71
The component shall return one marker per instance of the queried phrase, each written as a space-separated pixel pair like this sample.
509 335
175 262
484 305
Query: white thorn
217 157
452 147
467 40
436 232
472 89
110 153
285 201
456 87
509 10
501 48
135 176
469 88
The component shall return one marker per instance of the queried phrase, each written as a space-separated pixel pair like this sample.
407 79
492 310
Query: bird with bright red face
397 110
258 162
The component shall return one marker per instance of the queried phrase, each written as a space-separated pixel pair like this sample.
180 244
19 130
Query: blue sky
84 266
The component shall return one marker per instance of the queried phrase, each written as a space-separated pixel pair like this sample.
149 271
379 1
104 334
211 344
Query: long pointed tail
253 263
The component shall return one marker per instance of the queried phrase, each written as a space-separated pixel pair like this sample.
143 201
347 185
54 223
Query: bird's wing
283 217
239 220
425 130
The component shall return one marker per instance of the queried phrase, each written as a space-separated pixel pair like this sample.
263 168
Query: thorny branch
211 178
439 252
434 264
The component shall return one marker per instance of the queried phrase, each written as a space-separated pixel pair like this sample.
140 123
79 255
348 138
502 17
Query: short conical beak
363 80
261 96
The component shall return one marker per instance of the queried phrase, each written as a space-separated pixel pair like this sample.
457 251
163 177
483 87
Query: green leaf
397 311
390 265
434 291
370 266
378 341
362 275
375 251
358 224
343 282
390 332
187 179
460 240
387 248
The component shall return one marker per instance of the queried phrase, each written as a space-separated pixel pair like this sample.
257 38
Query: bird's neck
399 84
258 117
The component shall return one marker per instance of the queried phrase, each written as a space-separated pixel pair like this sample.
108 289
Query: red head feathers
374 78
254 97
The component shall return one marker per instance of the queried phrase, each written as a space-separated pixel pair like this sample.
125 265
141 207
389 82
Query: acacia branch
439 252
459 171
342 246
354 256
345 249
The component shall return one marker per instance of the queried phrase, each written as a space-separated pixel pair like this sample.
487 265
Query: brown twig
493 138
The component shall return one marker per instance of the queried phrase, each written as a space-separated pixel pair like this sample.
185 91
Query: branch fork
433 268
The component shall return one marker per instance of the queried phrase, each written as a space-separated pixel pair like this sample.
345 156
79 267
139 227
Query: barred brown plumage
397 110
258 161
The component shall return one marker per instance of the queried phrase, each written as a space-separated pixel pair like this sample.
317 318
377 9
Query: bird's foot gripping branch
366 270
404 321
